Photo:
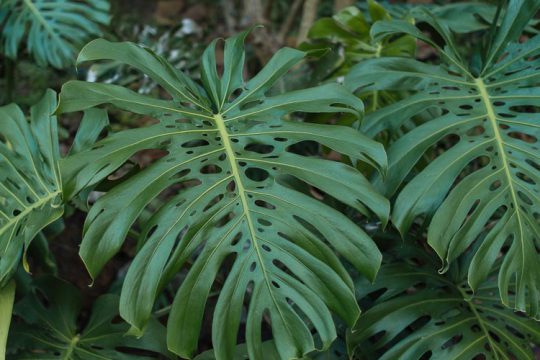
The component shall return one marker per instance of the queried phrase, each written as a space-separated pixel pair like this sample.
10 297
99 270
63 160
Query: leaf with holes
56 28
490 128
230 152
47 327
412 312
30 186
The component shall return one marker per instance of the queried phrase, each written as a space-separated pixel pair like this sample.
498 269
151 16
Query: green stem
7 296
163 311
375 101
480 320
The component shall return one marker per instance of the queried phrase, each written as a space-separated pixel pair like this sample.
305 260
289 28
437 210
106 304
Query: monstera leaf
30 185
55 28
412 312
487 173
48 327
229 202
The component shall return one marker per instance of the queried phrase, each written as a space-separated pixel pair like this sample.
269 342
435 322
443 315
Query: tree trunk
308 18
342 4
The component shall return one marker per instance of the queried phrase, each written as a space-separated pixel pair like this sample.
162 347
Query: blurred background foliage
179 30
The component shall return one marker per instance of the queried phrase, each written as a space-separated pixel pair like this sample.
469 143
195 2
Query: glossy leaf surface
412 312
486 173
229 153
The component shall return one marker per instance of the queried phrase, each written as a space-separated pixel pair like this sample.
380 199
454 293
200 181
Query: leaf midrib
481 323
71 347
504 161
220 124
496 329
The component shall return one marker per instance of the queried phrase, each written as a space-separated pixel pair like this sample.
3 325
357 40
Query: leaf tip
444 268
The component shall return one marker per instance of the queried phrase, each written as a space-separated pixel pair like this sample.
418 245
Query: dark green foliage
412 311
47 328
257 225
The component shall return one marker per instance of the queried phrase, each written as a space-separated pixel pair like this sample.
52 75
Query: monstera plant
230 163
254 232
480 191
412 312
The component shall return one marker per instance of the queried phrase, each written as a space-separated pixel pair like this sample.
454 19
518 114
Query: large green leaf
54 29
229 154
30 185
487 129
412 312
48 328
